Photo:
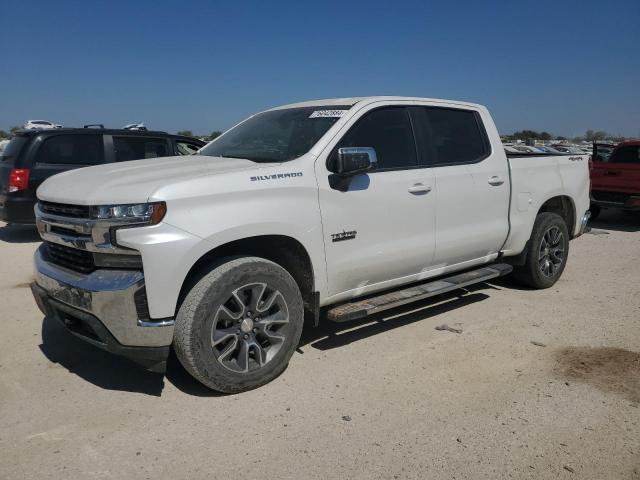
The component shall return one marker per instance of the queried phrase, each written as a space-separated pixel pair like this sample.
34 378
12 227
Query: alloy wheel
250 327
552 251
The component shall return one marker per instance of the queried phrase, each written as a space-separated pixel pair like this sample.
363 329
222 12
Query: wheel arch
283 250
564 206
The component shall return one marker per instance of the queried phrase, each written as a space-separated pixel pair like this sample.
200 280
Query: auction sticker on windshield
327 113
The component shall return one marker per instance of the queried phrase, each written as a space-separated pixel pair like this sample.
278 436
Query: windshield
276 136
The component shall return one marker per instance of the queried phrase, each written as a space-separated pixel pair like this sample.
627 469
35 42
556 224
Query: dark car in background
32 156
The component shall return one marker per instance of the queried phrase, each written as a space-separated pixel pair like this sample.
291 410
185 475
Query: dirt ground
390 398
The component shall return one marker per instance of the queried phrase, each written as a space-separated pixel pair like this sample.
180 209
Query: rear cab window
71 150
135 148
450 136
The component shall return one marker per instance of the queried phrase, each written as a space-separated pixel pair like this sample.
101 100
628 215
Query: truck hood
134 181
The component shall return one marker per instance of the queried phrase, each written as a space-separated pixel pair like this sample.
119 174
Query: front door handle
495 181
419 189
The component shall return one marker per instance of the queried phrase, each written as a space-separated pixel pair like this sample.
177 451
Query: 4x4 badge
344 235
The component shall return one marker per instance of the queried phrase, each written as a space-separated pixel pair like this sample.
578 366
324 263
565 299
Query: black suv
32 156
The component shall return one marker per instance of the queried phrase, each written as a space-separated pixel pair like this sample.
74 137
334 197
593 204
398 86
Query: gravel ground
539 384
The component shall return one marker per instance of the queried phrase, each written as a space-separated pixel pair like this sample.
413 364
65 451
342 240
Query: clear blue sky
563 66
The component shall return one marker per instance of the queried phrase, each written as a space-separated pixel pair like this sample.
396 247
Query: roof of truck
381 98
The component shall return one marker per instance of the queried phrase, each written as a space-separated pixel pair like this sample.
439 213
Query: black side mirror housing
350 161
354 160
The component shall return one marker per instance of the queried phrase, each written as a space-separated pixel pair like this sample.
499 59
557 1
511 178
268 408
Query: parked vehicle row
554 149
351 205
34 155
532 149
574 149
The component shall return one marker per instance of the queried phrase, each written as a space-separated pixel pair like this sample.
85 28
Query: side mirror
353 160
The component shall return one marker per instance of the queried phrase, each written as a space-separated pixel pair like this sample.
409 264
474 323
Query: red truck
615 180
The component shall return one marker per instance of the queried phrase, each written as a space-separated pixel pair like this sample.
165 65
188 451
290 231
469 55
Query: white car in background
3 144
39 124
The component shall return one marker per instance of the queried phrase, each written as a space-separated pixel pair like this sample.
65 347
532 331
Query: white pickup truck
346 206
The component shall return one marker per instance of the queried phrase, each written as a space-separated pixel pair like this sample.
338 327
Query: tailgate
538 178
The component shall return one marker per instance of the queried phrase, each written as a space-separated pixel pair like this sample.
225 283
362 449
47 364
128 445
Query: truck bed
536 178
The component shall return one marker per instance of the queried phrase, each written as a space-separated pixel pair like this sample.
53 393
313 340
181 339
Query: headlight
147 213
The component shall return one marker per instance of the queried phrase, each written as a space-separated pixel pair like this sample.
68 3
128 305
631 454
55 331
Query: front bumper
103 308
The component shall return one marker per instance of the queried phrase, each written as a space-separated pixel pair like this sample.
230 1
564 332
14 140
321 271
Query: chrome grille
78 242
65 210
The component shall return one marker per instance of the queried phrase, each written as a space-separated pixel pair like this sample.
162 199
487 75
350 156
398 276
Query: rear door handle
419 189
495 181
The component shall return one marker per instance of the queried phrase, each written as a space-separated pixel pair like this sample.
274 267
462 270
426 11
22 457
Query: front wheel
239 325
547 252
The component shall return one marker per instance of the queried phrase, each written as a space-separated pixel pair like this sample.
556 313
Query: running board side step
362 308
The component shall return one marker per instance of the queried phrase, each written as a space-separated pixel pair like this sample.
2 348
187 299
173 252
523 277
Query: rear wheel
595 211
239 325
547 252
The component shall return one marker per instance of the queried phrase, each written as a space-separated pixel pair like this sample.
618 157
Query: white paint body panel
401 237
534 180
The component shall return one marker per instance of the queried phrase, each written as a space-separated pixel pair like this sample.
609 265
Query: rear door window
136 148
448 136
71 150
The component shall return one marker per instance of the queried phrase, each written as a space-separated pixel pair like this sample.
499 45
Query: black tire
595 211
540 269
207 316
